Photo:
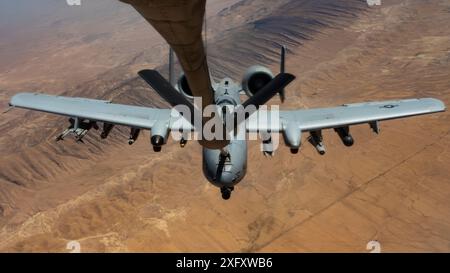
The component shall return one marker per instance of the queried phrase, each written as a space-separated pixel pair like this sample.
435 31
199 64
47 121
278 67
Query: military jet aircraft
224 154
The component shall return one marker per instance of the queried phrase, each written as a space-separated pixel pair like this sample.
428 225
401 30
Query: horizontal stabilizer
165 89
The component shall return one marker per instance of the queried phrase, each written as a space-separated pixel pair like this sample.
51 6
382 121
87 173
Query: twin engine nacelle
255 79
183 87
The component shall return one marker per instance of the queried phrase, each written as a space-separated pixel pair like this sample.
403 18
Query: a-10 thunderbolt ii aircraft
224 158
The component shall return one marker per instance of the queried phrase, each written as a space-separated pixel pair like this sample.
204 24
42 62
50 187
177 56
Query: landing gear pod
292 136
160 132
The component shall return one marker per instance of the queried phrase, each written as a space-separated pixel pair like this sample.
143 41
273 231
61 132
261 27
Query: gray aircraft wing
293 123
100 110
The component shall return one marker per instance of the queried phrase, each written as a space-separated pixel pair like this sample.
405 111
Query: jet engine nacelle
183 87
255 79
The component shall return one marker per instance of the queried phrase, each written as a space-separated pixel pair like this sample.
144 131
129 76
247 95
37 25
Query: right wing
294 122
358 113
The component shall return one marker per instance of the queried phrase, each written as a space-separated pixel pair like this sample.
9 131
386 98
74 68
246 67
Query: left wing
84 113
91 109
293 123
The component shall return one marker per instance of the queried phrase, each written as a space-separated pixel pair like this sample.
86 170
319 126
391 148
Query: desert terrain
111 197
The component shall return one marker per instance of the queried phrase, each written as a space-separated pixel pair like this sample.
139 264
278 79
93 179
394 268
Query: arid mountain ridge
392 188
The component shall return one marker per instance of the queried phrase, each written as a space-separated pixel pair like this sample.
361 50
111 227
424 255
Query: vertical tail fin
171 67
282 70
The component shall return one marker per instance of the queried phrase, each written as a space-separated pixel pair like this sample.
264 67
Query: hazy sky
14 11
25 11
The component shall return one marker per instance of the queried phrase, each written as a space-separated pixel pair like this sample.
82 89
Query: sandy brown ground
394 187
